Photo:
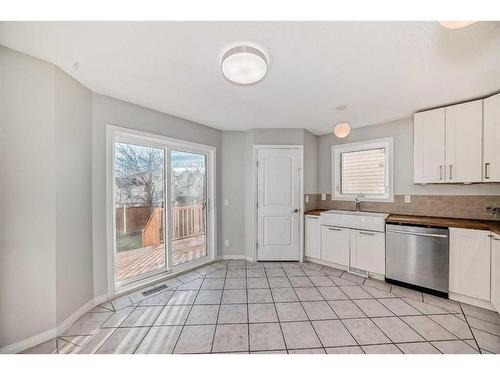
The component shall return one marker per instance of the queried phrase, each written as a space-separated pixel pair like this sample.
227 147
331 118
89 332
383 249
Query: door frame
256 149
114 133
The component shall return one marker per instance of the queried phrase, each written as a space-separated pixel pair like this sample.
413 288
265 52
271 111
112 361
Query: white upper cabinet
464 140
429 151
448 144
491 153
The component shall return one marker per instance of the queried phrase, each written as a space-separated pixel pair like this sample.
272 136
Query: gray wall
402 131
109 111
27 197
74 281
45 200
237 180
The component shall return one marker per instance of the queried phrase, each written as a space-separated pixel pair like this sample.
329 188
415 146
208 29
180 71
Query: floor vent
154 290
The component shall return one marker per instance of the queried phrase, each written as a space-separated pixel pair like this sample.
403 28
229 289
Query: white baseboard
29 342
236 257
471 301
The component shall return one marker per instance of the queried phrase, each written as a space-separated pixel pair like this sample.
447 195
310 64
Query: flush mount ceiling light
455 24
244 65
342 130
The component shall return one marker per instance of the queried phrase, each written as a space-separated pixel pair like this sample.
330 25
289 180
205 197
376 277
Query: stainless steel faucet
357 201
493 210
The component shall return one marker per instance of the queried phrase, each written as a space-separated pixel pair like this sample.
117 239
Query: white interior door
278 203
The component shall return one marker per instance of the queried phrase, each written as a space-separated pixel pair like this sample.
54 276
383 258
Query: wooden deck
145 259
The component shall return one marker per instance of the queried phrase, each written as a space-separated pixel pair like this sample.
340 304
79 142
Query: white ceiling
382 71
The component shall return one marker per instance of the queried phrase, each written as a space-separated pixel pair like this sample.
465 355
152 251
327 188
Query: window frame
336 152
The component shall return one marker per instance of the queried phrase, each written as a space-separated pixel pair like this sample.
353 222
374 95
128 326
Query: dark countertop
490 225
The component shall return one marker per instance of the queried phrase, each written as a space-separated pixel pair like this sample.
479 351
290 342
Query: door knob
295 211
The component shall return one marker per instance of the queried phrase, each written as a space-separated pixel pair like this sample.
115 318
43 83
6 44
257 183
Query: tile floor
241 307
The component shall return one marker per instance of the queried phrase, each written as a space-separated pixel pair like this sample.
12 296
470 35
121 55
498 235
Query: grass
129 242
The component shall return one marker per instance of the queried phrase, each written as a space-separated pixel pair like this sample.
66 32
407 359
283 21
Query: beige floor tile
290 312
453 324
300 335
355 292
203 314
142 316
307 351
88 324
231 338
346 309
284 295
397 330
427 328
259 296
262 313
487 341
418 348
195 339
333 333
308 294
318 310
234 296
345 350
95 342
173 315
123 341
232 314
266 336
454 347
381 349
365 332
159 340
399 307
372 308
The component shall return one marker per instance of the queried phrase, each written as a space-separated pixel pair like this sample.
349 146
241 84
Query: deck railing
187 221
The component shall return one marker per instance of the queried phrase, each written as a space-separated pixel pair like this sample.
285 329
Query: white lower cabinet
495 271
335 245
368 251
312 237
470 263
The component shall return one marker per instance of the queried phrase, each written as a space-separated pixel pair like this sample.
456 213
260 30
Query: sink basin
373 221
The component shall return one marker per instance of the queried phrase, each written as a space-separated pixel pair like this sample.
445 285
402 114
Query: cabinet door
428 146
470 263
368 251
335 245
491 166
495 272
313 237
464 142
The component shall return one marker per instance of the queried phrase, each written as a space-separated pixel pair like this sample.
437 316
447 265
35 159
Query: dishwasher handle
417 234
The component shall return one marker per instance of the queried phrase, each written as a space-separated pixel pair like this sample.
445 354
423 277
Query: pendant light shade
342 130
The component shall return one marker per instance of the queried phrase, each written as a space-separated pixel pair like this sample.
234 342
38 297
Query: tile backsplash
457 206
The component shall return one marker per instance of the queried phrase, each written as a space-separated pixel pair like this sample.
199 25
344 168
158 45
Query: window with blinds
363 169
363 172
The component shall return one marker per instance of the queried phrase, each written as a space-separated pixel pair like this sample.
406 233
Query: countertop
493 226
490 225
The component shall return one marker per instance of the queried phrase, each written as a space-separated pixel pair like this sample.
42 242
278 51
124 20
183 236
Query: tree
138 166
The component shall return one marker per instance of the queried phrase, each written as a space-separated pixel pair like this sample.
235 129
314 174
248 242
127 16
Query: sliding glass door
139 210
161 194
188 197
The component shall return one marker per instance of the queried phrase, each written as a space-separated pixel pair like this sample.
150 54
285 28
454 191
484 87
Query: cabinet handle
486 170
367 233
313 217
335 229
493 237
450 172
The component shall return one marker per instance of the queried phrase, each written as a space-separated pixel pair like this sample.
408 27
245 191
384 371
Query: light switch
226 202
323 197
307 198
407 198
226 243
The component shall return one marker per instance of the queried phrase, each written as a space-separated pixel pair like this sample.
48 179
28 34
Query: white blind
363 172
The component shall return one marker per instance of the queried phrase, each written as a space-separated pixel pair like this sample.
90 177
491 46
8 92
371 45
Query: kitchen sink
373 221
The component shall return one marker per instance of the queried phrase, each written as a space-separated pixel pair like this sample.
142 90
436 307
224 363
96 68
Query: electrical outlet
407 198
323 197
226 243
307 198
226 202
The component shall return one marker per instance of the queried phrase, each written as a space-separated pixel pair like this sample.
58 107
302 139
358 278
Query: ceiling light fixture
244 65
455 24
342 129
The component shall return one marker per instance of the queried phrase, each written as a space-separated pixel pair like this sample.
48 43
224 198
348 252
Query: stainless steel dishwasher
418 257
